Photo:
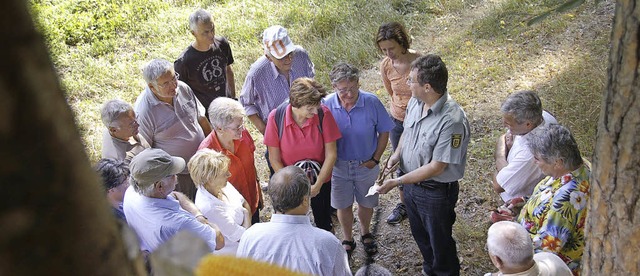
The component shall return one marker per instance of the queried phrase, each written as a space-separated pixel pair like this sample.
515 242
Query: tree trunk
54 218
613 225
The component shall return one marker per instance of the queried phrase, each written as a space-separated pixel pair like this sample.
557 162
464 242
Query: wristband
375 161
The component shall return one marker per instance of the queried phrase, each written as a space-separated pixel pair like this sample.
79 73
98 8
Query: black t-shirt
205 72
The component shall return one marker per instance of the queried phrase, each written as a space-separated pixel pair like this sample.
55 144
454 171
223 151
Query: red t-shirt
299 143
242 166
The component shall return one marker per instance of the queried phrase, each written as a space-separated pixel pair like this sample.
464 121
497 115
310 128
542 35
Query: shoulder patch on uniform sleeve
456 140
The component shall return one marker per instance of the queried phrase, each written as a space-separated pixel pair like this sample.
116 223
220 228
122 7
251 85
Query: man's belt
435 185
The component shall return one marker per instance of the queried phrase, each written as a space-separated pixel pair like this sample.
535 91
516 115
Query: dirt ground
397 249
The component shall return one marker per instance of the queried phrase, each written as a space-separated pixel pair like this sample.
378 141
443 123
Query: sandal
352 246
371 247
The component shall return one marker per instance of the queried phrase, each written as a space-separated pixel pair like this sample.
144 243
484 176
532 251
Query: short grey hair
154 69
287 188
197 17
523 106
222 111
112 110
555 142
145 191
344 71
511 243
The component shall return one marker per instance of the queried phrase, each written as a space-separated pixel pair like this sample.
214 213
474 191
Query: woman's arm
385 80
246 210
275 158
330 157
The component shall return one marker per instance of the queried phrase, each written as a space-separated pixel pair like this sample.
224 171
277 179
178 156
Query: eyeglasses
410 81
238 128
173 81
353 89
288 57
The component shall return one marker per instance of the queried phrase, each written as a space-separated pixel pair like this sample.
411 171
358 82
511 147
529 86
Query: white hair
511 243
143 190
154 69
112 110
223 110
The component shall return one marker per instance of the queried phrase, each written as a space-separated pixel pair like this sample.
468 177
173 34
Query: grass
99 48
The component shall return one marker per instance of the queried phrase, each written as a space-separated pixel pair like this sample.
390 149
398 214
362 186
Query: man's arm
189 206
500 155
257 122
205 125
248 100
501 152
434 168
231 83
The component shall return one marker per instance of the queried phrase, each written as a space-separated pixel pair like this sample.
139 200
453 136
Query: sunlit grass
99 47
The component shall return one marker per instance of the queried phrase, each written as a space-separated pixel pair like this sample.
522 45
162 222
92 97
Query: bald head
511 243
287 188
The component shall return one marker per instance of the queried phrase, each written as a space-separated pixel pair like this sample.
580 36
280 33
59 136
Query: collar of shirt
166 203
274 70
291 219
215 143
153 100
437 107
534 270
333 100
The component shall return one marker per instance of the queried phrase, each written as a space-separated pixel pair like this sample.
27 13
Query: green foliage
97 23
100 46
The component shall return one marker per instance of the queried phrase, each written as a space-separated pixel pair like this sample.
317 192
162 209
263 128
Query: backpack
280 112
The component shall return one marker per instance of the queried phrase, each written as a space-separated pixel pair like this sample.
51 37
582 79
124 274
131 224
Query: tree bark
613 225
54 218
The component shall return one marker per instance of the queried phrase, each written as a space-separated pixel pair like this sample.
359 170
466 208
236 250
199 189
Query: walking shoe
397 215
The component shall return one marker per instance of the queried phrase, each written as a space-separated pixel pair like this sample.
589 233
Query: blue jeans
431 216
395 134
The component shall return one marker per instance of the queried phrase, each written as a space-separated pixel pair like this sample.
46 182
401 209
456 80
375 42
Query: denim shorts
351 180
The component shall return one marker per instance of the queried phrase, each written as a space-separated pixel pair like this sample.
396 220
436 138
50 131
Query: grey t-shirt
174 129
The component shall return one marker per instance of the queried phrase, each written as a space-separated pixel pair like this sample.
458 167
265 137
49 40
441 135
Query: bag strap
281 111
